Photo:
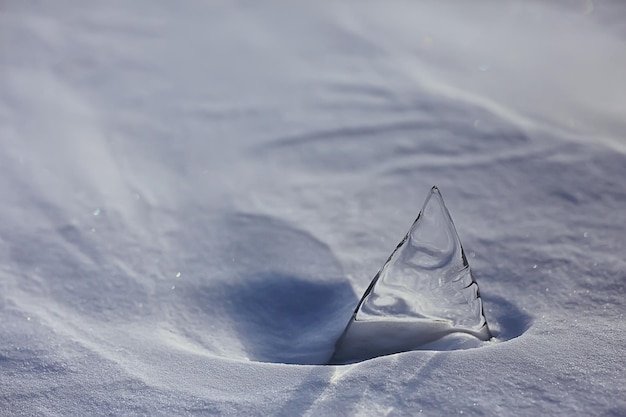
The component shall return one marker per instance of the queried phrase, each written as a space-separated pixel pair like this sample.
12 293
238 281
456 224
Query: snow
195 195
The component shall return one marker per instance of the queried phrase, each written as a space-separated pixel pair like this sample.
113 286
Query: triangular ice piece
425 291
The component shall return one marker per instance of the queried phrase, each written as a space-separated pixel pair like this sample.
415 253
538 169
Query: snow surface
196 193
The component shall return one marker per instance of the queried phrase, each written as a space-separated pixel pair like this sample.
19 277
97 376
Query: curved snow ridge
283 298
471 63
411 141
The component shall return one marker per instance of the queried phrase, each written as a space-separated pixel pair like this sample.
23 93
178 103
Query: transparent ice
425 291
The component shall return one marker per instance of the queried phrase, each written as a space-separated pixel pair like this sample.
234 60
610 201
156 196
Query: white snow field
194 195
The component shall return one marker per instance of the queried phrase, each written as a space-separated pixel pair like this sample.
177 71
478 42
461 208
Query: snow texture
195 195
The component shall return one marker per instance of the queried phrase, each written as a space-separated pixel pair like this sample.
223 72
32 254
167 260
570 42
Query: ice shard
424 291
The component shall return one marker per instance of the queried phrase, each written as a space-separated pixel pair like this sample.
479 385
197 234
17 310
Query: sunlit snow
195 195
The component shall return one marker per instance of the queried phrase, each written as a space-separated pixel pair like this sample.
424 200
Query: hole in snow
283 298
284 318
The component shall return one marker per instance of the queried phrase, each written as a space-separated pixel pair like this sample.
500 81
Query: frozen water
425 291
427 276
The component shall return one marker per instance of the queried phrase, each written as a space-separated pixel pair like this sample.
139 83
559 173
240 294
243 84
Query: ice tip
434 197
435 190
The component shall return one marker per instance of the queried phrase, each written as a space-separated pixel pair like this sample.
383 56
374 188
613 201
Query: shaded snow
193 193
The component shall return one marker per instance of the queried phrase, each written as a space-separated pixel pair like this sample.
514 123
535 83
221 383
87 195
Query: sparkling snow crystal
425 291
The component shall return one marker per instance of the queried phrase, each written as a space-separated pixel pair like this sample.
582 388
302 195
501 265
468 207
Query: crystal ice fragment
424 291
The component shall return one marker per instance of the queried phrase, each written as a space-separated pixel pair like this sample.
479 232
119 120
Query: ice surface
424 292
